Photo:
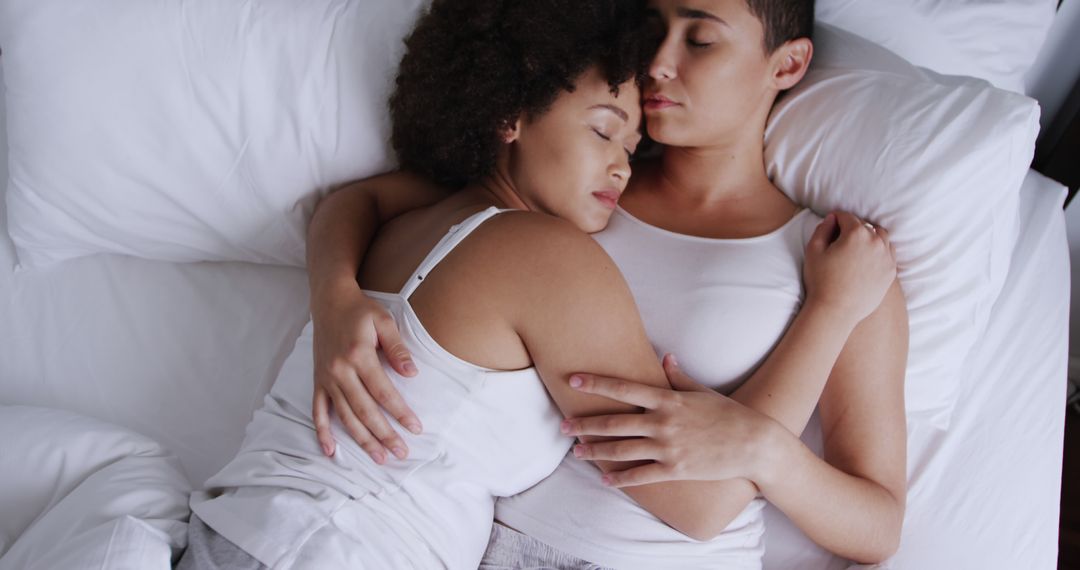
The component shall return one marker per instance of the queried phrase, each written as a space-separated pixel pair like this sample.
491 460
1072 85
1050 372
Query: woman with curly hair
532 109
712 252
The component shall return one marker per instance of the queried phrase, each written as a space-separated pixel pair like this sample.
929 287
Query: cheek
557 171
725 95
569 162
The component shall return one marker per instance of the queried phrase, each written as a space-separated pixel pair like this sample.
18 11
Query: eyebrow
622 114
699 15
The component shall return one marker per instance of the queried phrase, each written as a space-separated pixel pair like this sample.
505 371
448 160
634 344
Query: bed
179 354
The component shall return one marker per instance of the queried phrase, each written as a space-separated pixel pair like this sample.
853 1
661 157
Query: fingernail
565 426
414 428
379 458
580 451
606 480
327 450
674 361
576 381
409 367
399 452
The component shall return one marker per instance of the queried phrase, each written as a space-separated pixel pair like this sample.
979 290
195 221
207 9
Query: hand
349 330
689 433
849 266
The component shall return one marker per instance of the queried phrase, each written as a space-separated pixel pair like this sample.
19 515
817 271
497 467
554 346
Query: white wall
1050 79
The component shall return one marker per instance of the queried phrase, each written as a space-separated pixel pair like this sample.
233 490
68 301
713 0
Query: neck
715 174
500 191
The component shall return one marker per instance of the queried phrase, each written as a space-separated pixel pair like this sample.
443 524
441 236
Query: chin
666 133
596 223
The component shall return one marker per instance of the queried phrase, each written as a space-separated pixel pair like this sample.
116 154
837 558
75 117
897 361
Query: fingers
823 235
622 450
356 430
882 233
887 238
643 475
678 379
383 391
365 409
852 226
390 341
618 425
848 223
619 390
320 412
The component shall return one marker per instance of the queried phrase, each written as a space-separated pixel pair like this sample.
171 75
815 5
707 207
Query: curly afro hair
472 67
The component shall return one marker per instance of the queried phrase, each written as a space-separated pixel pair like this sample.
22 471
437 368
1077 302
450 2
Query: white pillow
936 160
996 40
80 493
187 130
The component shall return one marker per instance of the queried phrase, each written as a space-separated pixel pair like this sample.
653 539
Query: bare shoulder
395 193
540 241
524 256
399 179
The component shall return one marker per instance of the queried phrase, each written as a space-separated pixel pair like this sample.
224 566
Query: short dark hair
472 67
783 20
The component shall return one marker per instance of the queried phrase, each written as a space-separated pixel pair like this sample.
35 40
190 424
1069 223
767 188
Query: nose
619 171
663 65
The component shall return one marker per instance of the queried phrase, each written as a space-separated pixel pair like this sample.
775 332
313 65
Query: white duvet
78 493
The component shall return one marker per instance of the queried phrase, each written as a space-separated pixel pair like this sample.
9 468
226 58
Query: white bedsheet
183 353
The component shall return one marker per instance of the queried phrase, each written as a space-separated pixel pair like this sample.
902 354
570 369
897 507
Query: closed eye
601 135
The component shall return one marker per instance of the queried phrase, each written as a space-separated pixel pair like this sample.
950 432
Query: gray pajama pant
208 550
507 549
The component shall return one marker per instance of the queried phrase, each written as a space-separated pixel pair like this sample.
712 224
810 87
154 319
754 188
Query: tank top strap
453 237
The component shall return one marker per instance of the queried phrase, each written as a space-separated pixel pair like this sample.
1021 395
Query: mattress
183 353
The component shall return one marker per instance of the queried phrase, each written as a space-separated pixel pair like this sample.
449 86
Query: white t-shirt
721 306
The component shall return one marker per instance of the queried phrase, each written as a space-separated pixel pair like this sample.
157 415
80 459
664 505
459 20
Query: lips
609 198
657 102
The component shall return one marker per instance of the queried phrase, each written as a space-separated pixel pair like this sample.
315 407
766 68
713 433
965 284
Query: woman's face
574 161
711 78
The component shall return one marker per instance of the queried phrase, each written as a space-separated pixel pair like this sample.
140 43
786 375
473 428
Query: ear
511 131
790 62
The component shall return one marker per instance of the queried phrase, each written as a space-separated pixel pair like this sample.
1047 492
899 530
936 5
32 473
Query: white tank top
720 305
486 434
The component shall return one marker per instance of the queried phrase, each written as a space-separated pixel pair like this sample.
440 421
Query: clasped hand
686 433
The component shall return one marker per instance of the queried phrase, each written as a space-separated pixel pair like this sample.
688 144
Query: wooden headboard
1058 153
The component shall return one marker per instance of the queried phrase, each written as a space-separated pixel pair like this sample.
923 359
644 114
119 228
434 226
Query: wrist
842 318
325 291
775 460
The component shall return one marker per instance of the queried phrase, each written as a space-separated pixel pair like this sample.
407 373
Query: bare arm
348 325
346 220
856 507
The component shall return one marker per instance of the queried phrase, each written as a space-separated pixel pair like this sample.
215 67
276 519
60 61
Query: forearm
788 385
698 509
851 516
340 231
786 388
345 222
